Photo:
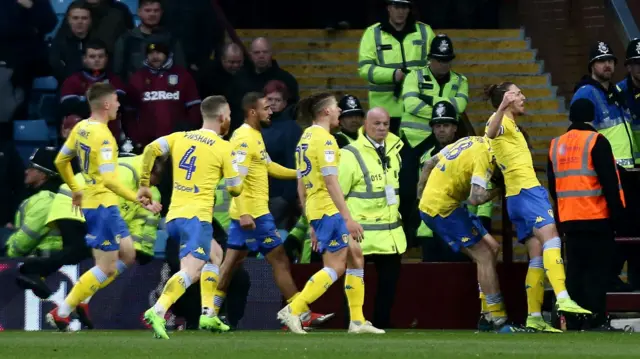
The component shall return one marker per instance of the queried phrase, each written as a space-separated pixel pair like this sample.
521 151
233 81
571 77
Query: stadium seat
48 83
136 20
25 150
132 4
60 6
34 131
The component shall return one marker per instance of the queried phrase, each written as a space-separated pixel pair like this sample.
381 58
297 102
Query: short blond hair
212 106
97 92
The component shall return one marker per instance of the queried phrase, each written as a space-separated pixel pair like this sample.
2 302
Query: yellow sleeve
482 171
233 180
280 172
107 165
159 147
327 154
63 161
244 155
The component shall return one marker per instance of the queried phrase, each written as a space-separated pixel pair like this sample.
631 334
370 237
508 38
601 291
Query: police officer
584 182
389 50
630 88
612 118
422 89
368 176
351 119
32 235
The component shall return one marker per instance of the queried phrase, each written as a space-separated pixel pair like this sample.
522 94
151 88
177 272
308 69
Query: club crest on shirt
173 80
329 155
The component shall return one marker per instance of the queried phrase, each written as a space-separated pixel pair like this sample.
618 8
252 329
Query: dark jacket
605 167
65 54
280 140
22 31
213 79
12 189
247 80
130 51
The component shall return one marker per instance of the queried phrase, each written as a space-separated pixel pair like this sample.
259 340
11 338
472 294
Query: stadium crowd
162 69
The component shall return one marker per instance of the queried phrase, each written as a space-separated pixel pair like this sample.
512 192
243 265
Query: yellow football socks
315 287
120 268
483 300
209 278
293 297
87 285
173 290
534 285
354 289
218 299
554 266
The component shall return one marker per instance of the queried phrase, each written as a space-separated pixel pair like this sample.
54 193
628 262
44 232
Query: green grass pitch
316 345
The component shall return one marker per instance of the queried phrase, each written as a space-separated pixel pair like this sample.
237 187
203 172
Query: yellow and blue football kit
200 159
317 156
527 201
460 165
97 152
255 165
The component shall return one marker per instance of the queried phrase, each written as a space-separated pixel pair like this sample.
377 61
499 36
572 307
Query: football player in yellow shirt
333 230
462 171
200 159
107 233
252 226
528 205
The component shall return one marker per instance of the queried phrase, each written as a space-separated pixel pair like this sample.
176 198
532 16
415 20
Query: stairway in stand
321 61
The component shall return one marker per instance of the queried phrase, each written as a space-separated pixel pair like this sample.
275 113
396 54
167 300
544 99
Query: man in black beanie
585 184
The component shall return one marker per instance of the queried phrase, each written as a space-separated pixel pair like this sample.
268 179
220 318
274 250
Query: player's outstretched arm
480 195
280 172
232 179
494 127
426 172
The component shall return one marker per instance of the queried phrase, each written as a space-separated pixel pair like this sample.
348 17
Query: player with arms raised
200 159
107 234
333 228
528 205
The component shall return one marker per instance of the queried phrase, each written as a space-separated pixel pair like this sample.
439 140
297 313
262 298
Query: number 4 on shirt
188 162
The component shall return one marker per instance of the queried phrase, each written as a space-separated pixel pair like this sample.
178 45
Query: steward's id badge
390 192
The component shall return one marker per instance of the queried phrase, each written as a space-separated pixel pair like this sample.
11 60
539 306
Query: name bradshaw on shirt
200 138
160 95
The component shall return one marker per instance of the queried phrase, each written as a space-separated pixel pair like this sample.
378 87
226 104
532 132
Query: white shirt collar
375 144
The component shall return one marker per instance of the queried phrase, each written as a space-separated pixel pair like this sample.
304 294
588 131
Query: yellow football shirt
97 151
317 155
461 164
200 159
513 157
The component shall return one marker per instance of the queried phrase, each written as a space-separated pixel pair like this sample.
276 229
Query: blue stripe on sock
217 301
536 262
552 244
356 272
494 298
121 266
99 274
332 273
185 277
209 267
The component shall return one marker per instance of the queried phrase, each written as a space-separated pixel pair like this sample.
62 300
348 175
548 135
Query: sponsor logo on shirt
160 96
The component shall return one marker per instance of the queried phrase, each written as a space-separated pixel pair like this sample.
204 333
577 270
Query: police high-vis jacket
631 95
32 230
420 92
381 54
221 206
612 119
370 187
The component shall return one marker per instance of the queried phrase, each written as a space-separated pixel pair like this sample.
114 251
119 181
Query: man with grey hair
256 74
217 74
368 176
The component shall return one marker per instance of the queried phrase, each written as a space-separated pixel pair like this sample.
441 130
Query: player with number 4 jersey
200 159
93 144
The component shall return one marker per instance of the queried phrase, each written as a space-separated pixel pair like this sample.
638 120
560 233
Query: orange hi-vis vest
578 189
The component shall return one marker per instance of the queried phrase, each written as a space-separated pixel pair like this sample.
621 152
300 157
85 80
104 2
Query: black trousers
74 250
388 272
589 256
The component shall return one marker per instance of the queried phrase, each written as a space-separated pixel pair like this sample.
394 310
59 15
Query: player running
462 171
332 227
252 226
107 234
200 159
528 205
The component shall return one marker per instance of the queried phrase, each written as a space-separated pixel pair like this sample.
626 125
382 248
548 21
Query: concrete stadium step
293 56
475 94
475 80
357 33
352 69
461 46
